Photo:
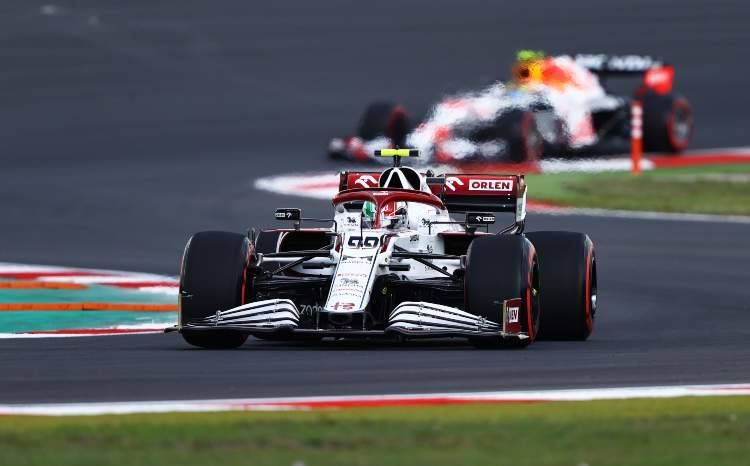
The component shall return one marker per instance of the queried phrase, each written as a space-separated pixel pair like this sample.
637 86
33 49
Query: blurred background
126 126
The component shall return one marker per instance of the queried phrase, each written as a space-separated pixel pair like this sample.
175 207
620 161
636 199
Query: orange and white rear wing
657 75
617 64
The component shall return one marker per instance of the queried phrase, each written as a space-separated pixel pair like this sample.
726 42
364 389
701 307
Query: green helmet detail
529 55
368 210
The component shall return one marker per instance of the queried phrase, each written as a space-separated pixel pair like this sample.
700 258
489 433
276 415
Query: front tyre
213 278
499 268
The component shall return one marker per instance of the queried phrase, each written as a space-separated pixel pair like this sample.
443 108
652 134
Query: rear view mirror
288 214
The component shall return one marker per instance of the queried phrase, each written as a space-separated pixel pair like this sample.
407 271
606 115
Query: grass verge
682 431
720 189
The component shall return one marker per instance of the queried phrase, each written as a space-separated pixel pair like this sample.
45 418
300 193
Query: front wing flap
271 314
428 319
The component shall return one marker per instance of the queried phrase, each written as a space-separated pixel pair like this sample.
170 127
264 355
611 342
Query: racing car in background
395 262
554 106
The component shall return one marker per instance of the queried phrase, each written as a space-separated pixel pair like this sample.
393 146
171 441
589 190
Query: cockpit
387 208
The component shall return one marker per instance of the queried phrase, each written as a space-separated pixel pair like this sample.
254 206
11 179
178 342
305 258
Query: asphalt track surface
126 127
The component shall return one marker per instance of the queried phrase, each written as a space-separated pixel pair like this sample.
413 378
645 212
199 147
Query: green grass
688 190
683 431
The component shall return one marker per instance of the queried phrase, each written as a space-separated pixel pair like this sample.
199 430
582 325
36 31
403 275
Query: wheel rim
680 125
591 301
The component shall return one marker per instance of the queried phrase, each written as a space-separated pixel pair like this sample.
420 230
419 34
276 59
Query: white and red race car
553 106
396 262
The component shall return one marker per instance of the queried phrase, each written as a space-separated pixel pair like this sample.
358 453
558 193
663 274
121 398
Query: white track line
113 279
591 165
643 215
737 150
325 185
26 336
87 409
90 274
293 185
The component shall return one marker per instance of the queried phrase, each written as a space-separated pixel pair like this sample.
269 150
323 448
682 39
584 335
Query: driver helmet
395 215
369 211
528 66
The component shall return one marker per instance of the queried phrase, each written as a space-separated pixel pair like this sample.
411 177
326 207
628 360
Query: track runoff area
41 301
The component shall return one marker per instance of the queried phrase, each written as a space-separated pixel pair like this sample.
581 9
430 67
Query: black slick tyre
518 128
501 267
387 119
213 277
667 123
567 266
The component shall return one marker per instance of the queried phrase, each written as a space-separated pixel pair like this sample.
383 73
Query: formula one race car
394 264
553 106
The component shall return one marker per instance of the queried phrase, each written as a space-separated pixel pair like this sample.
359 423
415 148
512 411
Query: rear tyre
384 119
567 266
519 129
213 277
499 268
667 123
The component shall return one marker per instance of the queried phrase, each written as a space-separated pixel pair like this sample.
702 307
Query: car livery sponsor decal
310 309
490 185
368 242
365 181
343 306
351 282
452 181
513 314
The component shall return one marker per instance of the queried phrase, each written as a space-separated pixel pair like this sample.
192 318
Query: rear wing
617 64
657 75
461 192
491 193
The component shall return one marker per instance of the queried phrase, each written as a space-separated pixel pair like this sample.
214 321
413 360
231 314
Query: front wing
408 319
